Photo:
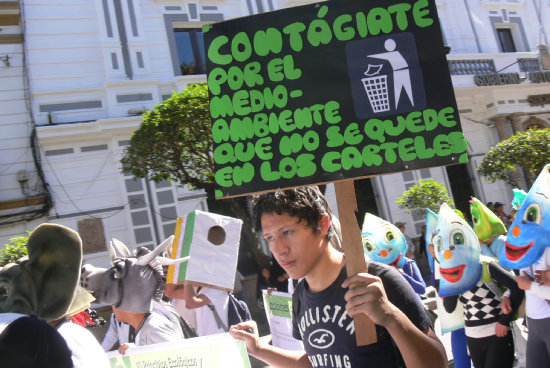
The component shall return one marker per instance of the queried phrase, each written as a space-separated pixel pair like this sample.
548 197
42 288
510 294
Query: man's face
295 246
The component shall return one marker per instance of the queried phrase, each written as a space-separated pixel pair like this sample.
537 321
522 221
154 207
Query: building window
506 40
190 48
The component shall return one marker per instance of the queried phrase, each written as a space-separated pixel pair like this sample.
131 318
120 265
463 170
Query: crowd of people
299 227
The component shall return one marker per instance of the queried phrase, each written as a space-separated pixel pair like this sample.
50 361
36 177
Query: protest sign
189 353
212 243
329 91
278 309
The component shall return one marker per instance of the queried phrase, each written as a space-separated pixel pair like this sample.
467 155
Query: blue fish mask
383 242
456 250
529 234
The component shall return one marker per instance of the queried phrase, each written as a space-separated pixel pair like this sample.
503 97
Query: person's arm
415 279
193 300
271 355
449 303
525 282
505 278
419 349
174 291
542 276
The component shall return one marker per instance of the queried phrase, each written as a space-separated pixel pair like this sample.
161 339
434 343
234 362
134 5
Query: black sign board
329 91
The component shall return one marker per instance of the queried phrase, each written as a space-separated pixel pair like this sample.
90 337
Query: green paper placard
200 352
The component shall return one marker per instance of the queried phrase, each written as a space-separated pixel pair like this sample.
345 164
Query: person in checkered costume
477 282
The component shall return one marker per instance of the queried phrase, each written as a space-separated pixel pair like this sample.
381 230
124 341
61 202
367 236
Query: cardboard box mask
212 242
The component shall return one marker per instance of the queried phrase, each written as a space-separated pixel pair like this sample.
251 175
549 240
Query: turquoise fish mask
519 197
456 250
529 234
383 242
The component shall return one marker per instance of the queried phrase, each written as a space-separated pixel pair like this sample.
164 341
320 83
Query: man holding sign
296 224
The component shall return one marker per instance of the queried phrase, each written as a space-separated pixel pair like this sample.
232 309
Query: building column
518 175
517 120
504 129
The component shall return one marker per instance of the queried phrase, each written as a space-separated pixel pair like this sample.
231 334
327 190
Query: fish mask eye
368 244
457 238
390 236
533 213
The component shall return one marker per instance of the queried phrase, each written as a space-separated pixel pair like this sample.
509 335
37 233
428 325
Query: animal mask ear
117 249
44 285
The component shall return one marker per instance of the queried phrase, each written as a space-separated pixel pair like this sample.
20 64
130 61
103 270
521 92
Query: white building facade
76 75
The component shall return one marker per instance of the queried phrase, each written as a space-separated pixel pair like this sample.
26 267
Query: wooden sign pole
365 330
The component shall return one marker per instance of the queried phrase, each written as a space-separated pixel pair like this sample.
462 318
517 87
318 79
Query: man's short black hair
306 203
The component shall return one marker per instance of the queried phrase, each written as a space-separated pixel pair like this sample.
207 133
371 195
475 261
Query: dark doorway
506 40
366 202
461 188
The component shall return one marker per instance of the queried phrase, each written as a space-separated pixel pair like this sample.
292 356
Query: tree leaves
528 150
425 194
174 141
14 250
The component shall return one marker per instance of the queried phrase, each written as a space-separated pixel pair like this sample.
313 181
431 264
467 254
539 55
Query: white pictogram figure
401 75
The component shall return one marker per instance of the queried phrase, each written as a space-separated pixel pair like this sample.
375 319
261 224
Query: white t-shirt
206 322
117 333
187 314
85 349
536 299
157 328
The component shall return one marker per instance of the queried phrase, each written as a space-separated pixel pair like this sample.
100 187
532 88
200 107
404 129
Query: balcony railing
467 69
487 66
472 66
528 65
476 64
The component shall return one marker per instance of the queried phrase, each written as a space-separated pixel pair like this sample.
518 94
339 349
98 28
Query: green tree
528 150
14 250
174 143
425 194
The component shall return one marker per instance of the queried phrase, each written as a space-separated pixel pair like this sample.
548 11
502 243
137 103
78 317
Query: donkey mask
133 281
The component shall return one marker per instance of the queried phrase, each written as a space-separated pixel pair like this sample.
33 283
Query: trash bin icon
376 87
